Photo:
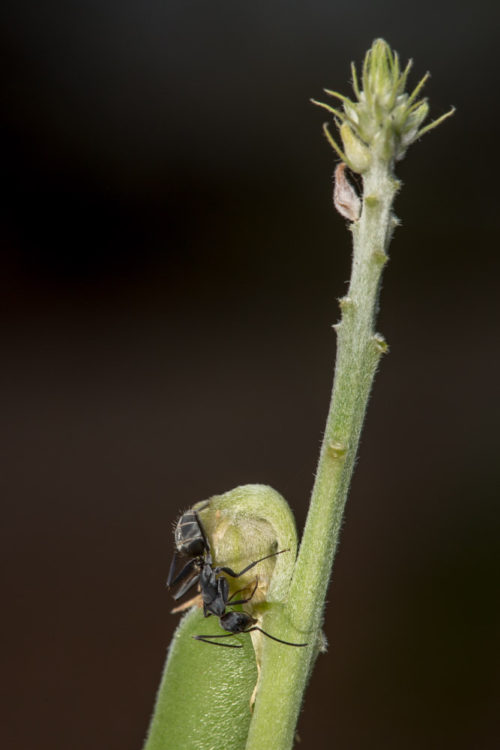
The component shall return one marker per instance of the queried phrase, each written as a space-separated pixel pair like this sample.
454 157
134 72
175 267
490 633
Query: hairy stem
376 130
359 349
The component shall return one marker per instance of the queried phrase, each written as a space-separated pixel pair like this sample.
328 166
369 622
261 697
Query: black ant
191 541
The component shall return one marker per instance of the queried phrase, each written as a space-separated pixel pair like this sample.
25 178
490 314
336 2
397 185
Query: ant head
190 538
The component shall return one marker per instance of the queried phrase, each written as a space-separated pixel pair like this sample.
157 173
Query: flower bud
384 119
381 73
358 155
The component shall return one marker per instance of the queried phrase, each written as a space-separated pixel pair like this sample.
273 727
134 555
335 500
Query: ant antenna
204 638
287 643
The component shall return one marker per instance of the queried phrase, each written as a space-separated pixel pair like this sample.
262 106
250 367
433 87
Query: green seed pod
206 693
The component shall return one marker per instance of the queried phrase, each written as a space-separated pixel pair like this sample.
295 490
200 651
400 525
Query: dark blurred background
169 273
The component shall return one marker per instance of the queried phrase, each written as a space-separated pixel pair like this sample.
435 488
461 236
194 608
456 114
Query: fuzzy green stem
376 130
359 348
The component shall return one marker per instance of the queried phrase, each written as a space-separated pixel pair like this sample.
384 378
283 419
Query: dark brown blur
170 267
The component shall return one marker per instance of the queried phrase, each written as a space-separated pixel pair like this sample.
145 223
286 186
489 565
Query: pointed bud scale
419 114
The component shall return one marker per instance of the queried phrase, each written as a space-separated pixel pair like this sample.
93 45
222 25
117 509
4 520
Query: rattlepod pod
236 528
205 693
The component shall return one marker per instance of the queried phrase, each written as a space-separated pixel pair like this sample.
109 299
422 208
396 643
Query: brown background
170 268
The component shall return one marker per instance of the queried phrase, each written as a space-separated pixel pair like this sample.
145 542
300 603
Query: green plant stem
359 348
376 130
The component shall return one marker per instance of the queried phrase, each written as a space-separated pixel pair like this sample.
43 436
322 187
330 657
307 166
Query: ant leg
287 643
171 570
186 570
243 601
231 572
204 639
186 586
